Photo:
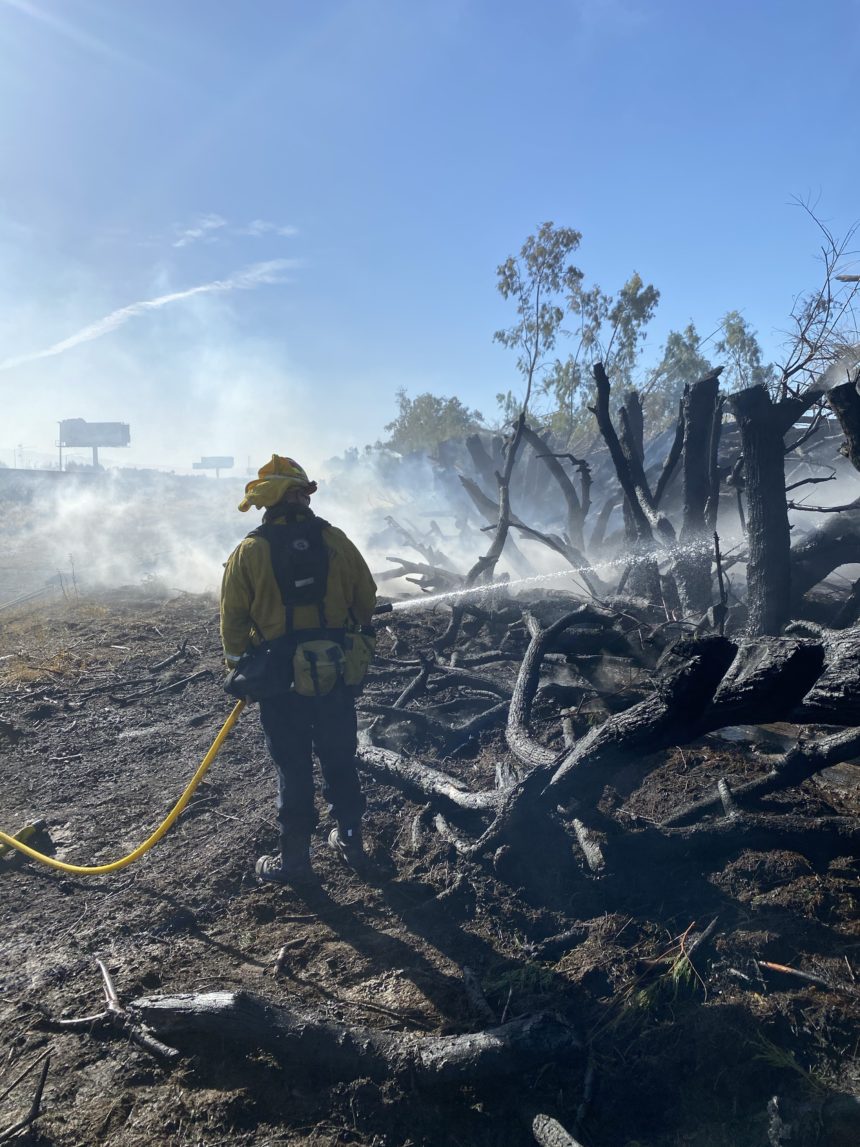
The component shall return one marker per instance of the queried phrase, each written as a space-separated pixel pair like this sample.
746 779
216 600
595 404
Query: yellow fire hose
164 827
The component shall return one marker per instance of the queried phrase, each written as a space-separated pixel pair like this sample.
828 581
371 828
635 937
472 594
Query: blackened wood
798 764
600 410
432 575
417 685
819 838
824 550
834 697
575 517
413 776
693 561
666 718
644 573
489 509
767 680
324 1049
713 504
768 568
669 717
635 422
481 460
637 470
520 741
672 458
570 553
455 677
844 401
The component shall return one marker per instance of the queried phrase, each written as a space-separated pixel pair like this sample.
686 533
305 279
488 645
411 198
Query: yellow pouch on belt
317 667
358 647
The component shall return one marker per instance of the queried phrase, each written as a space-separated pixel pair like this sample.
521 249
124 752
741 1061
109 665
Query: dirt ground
675 1051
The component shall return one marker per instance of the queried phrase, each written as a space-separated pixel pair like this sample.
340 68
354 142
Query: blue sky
313 197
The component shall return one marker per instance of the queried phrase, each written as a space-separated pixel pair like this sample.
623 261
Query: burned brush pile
612 897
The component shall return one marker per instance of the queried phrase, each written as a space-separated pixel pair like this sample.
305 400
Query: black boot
348 844
292 867
296 856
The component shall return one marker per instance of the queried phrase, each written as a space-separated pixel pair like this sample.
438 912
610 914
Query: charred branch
520 741
414 777
837 543
672 458
803 761
575 515
646 575
325 1049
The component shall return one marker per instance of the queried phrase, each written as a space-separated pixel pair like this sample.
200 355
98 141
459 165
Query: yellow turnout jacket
251 607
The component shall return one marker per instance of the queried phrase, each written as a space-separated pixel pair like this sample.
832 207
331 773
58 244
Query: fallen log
813 557
520 741
432 726
834 697
327 1049
670 716
418 778
548 1132
803 761
820 838
766 680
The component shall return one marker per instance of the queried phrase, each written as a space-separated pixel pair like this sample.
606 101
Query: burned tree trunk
575 515
769 567
844 401
646 576
693 562
490 512
481 460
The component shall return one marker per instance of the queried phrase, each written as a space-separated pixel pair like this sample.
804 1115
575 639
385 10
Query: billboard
79 432
213 463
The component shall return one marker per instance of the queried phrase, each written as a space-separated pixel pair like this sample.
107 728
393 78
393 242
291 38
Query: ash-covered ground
676 1048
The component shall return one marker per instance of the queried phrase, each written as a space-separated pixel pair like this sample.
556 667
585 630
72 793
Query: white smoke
843 370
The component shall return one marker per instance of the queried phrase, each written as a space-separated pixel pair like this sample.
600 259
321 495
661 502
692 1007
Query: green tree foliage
537 280
549 291
555 307
682 362
426 420
739 349
608 328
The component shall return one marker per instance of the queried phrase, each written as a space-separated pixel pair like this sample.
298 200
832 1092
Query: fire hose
163 828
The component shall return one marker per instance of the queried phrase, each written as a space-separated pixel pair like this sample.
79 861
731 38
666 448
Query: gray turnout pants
295 727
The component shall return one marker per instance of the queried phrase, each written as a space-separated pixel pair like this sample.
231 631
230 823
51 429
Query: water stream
431 599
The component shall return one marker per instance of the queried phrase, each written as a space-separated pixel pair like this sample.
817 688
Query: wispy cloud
69 32
259 227
202 228
257 275
209 228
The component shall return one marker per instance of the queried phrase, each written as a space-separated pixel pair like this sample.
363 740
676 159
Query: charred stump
768 568
693 562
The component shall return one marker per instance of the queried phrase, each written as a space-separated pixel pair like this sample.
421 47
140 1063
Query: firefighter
297 600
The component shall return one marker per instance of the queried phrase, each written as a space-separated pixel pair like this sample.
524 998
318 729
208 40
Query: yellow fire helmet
273 480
